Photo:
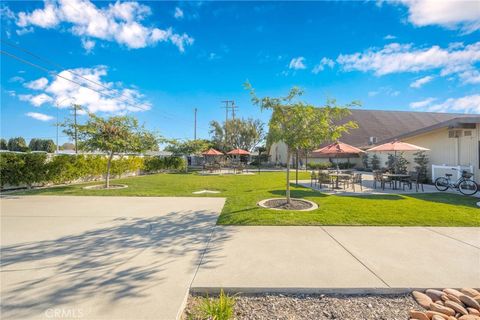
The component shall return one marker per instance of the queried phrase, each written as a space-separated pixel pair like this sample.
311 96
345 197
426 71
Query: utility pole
233 109
75 108
195 126
227 102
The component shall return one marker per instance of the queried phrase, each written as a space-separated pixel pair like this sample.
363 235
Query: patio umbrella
337 149
396 146
212 152
238 152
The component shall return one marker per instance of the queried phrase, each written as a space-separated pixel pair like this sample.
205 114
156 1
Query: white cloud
36 100
321 66
120 22
386 91
463 15
421 103
297 63
39 116
470 76
16 79
389 37
38 84
397 58
115 98
467 104
178 13
420 82
88 45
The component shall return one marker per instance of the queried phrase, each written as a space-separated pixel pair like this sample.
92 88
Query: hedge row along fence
29 169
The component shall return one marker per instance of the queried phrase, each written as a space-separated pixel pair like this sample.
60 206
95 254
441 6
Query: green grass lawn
243 192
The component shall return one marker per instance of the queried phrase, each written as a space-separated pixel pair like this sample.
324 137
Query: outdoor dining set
345 179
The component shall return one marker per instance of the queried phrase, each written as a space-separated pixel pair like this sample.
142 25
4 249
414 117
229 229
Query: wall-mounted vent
454 133
372 140
467 133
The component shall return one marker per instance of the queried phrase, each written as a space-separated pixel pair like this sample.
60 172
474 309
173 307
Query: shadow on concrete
101 261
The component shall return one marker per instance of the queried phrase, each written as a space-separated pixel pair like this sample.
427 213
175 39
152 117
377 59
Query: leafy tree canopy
237 133
17 144
188 147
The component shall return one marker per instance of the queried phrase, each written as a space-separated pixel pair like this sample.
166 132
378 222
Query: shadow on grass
375 197
447 198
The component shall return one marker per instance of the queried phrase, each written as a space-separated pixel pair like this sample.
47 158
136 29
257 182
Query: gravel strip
293 307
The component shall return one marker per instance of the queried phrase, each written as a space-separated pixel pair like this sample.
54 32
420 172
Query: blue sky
160 60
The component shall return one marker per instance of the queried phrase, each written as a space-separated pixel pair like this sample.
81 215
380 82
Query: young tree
67 146
300 125
117 134
17 144
421 159
237 133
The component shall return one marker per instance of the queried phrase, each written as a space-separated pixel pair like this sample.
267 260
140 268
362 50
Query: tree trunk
306 160
109 164
288 176
296 169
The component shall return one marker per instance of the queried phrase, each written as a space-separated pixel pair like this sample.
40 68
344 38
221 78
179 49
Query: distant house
453 139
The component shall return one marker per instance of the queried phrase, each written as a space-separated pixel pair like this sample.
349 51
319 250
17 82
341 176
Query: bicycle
464 184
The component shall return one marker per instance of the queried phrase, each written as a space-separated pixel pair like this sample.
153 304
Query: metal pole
195 126
57 129
75 126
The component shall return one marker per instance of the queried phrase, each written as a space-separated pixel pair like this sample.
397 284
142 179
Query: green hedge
35 168
329 165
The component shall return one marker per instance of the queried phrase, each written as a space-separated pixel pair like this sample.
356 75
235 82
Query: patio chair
357 178
377 178
324 178
416 178
345 181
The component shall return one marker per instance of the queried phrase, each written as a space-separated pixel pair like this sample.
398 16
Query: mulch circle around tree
102 187
281 204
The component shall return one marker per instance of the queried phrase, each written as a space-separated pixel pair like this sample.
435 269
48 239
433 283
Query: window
467 133
454 133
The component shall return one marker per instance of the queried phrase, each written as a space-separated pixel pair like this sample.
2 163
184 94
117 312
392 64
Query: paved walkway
351 259
101 257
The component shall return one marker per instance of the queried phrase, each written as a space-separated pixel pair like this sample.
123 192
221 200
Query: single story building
453 139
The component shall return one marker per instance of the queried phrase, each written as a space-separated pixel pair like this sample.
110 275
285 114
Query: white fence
441 170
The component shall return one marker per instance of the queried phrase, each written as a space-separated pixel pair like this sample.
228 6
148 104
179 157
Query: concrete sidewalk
348 259
101 257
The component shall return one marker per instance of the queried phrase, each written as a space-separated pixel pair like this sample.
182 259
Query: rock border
112 187
314 206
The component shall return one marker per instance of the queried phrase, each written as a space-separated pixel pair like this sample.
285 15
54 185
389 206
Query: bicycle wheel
441 184
468 187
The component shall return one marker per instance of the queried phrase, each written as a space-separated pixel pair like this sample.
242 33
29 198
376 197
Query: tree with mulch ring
283 204
302 125
114 135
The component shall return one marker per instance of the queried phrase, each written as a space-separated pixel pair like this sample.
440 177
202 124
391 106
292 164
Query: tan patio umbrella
337 149
238 152
396 146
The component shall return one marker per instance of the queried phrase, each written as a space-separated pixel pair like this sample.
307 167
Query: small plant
397 164
421 160
220 308
365 160
375 162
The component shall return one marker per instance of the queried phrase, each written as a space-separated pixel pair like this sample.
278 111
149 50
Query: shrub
375 162
320 165
220 308
157 164
32 168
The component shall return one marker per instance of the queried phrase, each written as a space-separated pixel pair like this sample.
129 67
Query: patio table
339 175
396 177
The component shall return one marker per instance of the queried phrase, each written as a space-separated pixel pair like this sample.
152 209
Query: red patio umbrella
212 152
337 149
239 152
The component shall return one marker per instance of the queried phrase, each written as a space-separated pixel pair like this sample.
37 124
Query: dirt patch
281 204
345 307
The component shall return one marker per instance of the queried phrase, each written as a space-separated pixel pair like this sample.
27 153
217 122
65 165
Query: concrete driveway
101 257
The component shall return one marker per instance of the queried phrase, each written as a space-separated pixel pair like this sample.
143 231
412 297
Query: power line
67 70
65 78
